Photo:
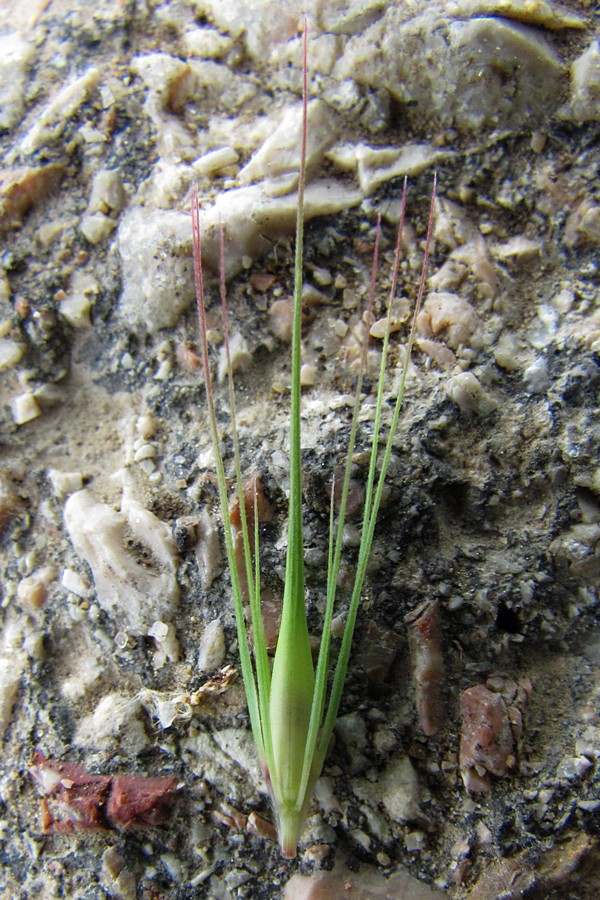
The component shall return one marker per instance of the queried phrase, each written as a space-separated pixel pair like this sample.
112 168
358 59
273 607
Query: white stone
115 722
584 103
159 72
519 249
572 767
76 310
15 55
239 355
158 631
211 653
108 193
146 426
166 712
50 395
155 245
65 483
262 24
146 451
452 315
96 227
208 547
256 215
52 231
376 165
206 42
280 153
535 376
215 160
135 594
52 120
73 582
155 249
414 841
24 408
13 661
399 790
508 352
11 353
323 52
12 666
467 392
308 375
483 71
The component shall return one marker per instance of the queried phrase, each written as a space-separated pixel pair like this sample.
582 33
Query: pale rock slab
135 595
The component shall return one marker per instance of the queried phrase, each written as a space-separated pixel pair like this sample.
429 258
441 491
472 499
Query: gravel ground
466 755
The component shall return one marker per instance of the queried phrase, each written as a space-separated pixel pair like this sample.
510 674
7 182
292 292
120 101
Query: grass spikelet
293 707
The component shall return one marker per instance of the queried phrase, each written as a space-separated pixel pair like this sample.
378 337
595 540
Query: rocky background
466 754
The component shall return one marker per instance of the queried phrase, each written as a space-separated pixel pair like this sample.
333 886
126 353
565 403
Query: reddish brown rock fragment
425 641
253 486
355 500
262 281
270 610
187 358
229 815
138 802
74 800
260 827
486 740
252 489
20 189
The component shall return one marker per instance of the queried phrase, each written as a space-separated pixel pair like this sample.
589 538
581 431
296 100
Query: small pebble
573 767
308 375
414 841
73 582
158 631
146 451
282 319
34 588
108 193
96 227
538 141
214 161
24 408
11 353
65 483
239 354
535 376
211 654
76 310
379 328
467 392
146 427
